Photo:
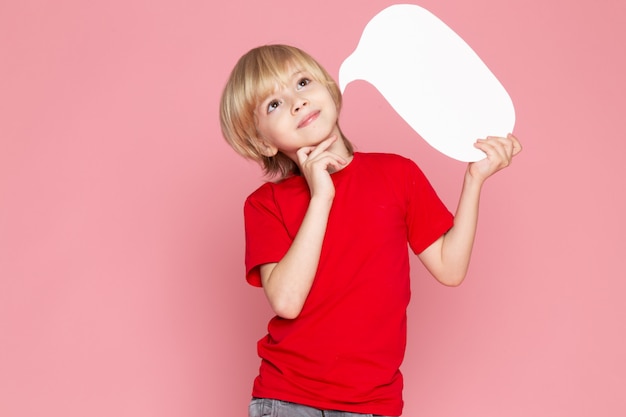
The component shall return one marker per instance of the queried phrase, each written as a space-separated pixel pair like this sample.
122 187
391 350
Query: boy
328 241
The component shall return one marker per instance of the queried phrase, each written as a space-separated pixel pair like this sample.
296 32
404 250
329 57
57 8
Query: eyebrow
269 97
297 73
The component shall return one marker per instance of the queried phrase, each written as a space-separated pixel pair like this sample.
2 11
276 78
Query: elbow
454 282
287 313
286 308
452 279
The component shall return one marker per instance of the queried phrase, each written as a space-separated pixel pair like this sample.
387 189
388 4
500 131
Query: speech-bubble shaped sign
432 78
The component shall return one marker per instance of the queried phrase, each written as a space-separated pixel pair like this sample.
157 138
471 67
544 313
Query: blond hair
254 77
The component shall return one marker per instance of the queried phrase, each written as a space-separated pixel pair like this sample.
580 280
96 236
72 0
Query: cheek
261 123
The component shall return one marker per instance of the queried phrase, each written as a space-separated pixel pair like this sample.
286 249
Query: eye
303 82
272 105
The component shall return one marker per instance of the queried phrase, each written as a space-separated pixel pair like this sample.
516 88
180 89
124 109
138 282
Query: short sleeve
427 217
267 239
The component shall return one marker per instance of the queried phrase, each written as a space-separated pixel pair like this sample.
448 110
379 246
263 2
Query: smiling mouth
310 118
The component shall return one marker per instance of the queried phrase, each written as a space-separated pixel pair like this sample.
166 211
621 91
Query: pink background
121 236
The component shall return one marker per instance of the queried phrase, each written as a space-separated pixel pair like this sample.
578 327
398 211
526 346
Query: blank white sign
432 78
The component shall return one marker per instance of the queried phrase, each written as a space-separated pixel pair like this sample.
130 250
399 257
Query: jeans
265 407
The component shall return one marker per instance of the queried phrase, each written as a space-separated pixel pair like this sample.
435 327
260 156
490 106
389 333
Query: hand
316 163
499 150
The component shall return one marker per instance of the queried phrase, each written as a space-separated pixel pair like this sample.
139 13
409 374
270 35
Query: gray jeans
265 407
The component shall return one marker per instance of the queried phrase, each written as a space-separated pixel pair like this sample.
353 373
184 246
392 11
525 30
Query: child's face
300 113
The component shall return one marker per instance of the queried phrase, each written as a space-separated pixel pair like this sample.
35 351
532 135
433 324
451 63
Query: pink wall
121 243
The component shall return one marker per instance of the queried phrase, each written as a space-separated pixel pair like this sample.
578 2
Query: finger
517 146
308 152
510 144
505 144
486 145
322 146
327 161
303 153
335 163
495 150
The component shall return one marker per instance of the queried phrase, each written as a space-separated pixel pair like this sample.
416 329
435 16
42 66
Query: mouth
308 119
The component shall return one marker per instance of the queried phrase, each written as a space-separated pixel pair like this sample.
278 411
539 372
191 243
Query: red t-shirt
344 350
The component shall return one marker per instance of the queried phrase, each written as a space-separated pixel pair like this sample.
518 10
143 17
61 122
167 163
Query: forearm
288 282
448 259
459 241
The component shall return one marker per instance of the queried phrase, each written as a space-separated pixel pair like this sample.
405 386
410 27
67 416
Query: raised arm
448 258
288 282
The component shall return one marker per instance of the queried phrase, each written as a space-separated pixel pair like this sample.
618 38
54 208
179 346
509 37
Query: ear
265 148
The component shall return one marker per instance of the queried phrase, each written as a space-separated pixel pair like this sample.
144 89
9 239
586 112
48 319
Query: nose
298 104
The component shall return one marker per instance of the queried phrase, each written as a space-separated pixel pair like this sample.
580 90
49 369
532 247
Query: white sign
432 79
